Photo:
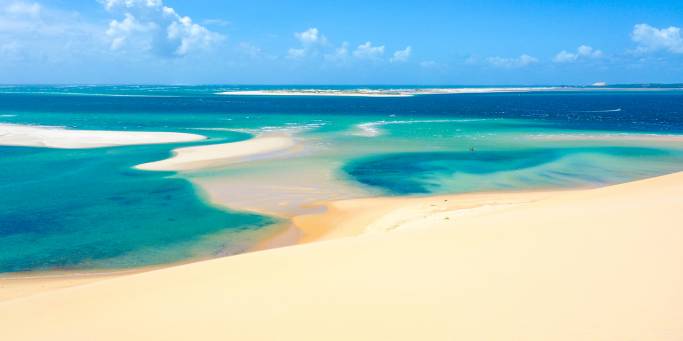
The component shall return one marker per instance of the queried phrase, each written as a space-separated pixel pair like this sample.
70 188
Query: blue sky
341 42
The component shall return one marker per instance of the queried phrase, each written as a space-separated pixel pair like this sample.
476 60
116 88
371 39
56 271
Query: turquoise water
88 209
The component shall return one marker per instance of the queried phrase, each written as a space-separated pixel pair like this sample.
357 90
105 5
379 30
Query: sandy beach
57 137
335 171
27 284
596 264
207 156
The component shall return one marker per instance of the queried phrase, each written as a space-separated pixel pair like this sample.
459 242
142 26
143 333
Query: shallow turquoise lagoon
88 209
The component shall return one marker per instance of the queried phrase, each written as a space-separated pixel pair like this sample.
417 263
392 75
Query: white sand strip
603 264
408 92
337 93
215 155
57 137
383 92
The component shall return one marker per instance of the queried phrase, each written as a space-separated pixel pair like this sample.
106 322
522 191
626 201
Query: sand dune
600 264
206 156
56 137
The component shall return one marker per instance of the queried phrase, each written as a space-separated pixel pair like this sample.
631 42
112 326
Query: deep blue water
623 111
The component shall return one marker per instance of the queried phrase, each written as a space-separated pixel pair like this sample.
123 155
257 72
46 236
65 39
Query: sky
341 42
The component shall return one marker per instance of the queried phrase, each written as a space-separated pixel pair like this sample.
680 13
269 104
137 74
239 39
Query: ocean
88 209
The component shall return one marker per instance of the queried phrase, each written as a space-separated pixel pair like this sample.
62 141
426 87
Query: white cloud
311 41
150 25
367 51
310 37
521 61
587 51
21 17
339 55
565 57
119 31
652 39
401 55
189 35
31 32
313 45
582 52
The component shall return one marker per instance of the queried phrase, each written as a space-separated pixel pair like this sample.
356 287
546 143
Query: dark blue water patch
618 111
421 173
61 209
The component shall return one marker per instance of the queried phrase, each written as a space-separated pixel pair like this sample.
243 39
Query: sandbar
215 155
58 137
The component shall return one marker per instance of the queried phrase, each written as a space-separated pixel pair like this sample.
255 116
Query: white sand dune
57 137
601 264
214 155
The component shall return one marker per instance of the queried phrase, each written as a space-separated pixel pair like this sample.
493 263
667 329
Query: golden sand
598 264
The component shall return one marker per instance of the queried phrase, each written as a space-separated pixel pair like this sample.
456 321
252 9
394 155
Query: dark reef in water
421 173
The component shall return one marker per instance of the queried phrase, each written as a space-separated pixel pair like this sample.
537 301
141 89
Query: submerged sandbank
598 264
215 155
58 137
623 137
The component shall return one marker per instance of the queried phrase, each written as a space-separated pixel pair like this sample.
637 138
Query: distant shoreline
410 92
